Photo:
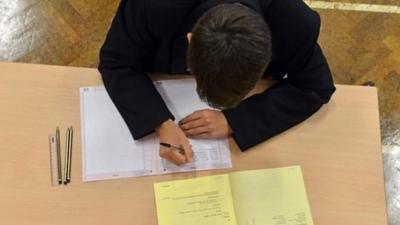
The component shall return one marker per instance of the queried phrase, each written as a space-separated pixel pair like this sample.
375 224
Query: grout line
363 7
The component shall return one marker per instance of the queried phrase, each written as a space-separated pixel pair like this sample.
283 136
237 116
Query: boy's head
230 47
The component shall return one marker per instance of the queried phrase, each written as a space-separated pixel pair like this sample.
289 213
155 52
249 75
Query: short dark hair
228 53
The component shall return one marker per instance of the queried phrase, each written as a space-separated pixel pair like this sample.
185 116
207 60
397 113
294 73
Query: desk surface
338 149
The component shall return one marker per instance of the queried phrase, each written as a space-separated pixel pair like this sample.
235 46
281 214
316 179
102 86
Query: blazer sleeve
284 105
128 48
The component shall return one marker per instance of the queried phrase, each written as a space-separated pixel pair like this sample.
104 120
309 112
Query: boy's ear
189 37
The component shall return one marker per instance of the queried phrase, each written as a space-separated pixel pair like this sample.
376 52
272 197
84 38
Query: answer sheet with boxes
110 152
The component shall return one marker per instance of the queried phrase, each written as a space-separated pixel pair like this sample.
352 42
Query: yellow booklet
254 197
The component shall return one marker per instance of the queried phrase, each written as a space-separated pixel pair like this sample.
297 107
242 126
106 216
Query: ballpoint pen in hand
179 148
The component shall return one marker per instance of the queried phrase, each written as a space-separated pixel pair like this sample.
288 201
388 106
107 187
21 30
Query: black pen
180 148
66 159
71 135
58 147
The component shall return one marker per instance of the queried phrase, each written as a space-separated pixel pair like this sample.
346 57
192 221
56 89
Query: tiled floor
360 46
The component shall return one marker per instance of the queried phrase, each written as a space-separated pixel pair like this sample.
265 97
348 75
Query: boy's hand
205 123
170 133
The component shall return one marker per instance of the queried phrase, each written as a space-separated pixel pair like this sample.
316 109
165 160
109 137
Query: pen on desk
66 159
179 148
71 135
58 152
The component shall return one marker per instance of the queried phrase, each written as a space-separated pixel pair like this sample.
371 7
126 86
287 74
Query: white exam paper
109 151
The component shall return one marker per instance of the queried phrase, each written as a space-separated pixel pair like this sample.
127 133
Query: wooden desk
338 148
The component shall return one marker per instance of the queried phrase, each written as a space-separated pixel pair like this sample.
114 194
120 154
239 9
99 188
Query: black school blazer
149 36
